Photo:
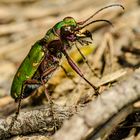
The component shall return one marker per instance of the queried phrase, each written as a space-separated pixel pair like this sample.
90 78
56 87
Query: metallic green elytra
27 69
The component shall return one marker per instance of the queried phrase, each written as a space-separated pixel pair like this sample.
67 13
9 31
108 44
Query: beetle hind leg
29 87
51 104
14 118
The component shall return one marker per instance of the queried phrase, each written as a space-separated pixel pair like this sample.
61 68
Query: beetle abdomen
29 89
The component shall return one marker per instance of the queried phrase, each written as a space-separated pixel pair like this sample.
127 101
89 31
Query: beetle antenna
109 6
99 20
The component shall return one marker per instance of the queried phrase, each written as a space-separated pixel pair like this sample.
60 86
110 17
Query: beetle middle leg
86 61
52 113
44 76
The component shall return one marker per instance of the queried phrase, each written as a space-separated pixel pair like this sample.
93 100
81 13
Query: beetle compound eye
65 31
68 33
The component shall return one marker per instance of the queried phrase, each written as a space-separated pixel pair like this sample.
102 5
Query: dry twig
36 120
101 110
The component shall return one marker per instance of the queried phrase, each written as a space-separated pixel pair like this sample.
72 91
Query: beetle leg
78 71
51 107
45 74
14 118
67 74
23 95
31 81
86 61
48 71
82 41
43 81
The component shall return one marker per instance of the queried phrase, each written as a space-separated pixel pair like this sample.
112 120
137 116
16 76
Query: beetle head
67 31
72 30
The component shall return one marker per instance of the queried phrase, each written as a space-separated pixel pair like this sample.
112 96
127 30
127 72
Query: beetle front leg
78 71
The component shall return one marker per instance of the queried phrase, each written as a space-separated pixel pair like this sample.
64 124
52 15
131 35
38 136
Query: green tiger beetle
44 57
